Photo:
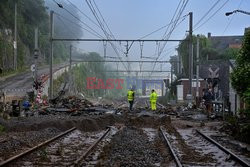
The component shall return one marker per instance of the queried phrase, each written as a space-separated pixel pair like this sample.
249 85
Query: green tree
206 52
241 74
31 14
230 53
183 50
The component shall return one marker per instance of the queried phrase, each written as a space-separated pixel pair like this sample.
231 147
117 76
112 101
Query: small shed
183 88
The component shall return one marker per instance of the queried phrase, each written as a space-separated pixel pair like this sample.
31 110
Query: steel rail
237 158
86 153
35 148
178 163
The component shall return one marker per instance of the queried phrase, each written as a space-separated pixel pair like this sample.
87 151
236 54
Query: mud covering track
131 147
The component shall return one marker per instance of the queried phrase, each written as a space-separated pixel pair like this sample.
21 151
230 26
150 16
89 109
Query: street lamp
228 13
235 11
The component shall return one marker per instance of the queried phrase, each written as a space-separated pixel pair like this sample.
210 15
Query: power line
158 29
94 32
76 24
172 20
103 19
105 23
65 25
110 34
209 10
84 14
213 14
103 29
175 24
231 19
182 8
82 22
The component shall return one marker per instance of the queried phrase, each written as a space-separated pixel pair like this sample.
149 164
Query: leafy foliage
206 52
205 49
31 14
241 74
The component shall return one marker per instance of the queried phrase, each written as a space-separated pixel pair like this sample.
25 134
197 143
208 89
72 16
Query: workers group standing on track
131 97
153 99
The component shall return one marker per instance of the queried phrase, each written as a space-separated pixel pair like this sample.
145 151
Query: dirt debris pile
74 103
148 121
71 104
166 110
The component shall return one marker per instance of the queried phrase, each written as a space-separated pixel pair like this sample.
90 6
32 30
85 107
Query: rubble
71 104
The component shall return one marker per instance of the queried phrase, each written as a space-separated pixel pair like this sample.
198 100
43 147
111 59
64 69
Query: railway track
70 148
222 159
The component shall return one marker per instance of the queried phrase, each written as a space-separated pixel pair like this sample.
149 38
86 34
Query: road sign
33 67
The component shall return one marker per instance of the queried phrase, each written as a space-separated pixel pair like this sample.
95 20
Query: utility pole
15 39
190 52
197 68
51 55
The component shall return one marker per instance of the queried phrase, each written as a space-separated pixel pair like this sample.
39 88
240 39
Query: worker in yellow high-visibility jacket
153 99
131 96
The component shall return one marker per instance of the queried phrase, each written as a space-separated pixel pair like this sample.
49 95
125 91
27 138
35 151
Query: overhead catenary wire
209 10
212 15
171 22
172 29
181 10
92 31
59 18
103 29
108 34
103 19
83 13
76 24
92 8
172 19
231 19
159 29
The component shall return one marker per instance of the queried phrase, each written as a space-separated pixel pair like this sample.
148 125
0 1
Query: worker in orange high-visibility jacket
131 96
153 99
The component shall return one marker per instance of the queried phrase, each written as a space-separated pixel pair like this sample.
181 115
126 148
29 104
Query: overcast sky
132 19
